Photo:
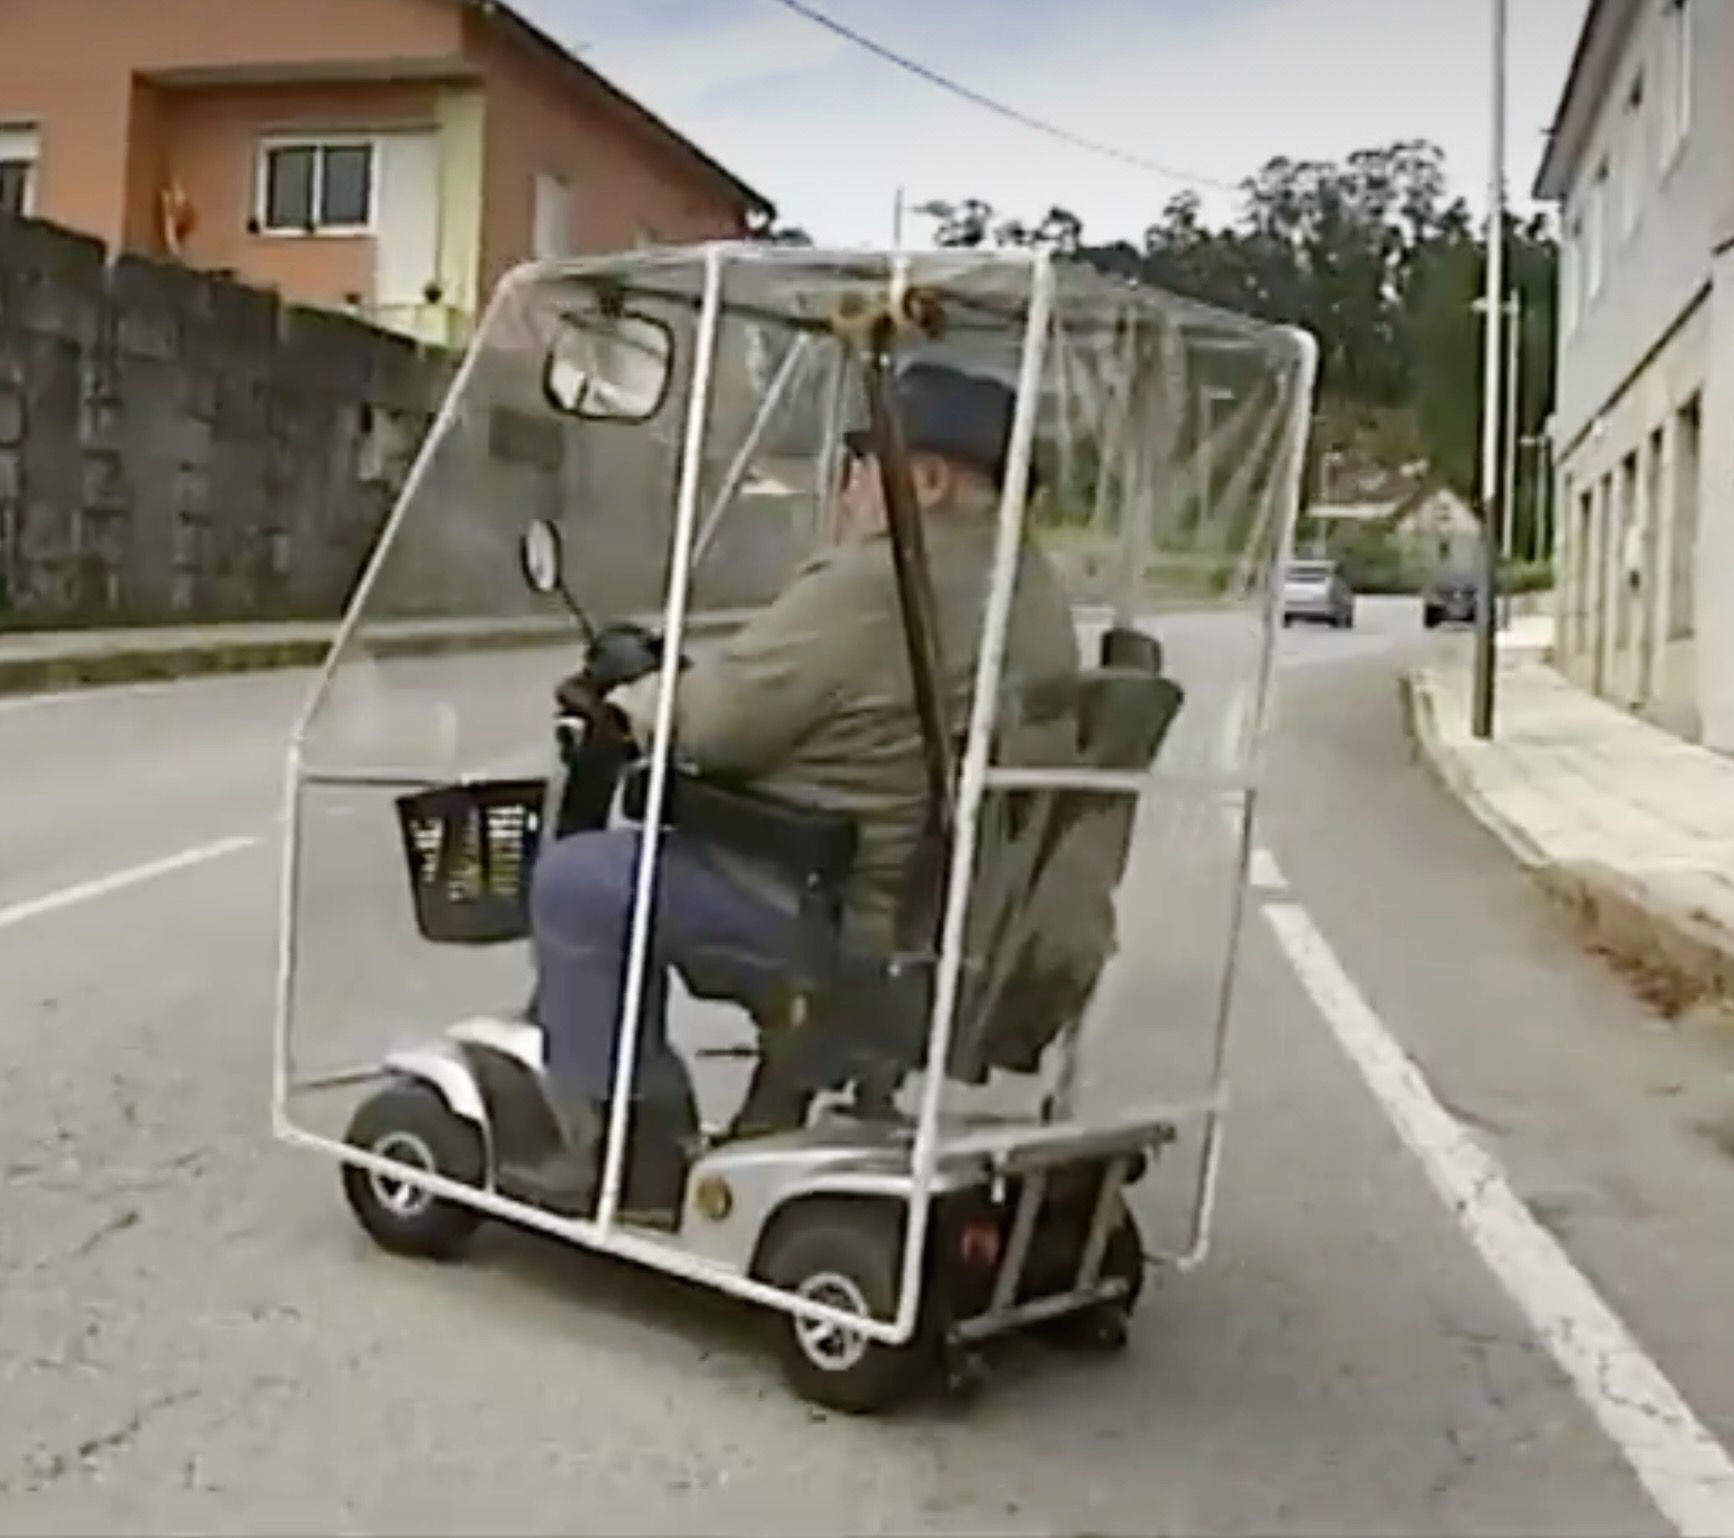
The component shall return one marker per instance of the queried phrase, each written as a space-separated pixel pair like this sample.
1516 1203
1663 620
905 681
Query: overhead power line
999 108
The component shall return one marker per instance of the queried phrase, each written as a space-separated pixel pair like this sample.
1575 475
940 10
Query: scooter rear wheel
1102 1326
410 1124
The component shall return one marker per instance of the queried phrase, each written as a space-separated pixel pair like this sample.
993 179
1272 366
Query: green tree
964 224
1370 254
1447 339
1534 254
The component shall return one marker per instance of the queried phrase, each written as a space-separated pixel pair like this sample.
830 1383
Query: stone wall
177 447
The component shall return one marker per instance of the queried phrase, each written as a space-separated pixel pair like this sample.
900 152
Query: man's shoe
566 1180
562 1184
775 1102
658 1156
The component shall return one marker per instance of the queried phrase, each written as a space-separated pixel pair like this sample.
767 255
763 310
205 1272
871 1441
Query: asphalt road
194 1336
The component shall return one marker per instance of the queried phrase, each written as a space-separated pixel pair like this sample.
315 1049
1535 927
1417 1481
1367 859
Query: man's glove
621 655
574 696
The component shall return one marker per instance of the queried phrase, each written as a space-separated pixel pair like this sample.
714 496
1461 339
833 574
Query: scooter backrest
1051 929
1124 648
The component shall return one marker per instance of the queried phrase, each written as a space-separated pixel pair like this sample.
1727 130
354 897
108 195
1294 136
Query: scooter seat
517 1039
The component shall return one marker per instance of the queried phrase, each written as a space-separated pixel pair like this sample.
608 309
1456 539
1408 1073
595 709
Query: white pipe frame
650 836
984 709
737 470
282 1058
1304 378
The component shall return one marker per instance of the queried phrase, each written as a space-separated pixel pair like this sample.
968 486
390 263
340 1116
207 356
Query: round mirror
609 368
540 555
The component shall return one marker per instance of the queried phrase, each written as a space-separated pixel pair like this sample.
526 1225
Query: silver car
1317 591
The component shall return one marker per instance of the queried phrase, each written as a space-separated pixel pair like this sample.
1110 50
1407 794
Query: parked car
1450 598
1317 591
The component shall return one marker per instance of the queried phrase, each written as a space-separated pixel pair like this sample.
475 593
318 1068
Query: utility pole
1544 491
1485 620
1513 406
897 222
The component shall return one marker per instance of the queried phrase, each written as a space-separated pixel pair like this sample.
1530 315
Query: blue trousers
724 941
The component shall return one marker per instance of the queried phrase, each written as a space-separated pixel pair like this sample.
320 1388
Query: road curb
152 664
141 660
1421 712
147 662
1679 956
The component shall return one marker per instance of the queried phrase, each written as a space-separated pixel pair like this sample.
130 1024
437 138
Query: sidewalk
1633 829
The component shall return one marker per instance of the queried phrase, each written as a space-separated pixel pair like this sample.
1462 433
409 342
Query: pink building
391 157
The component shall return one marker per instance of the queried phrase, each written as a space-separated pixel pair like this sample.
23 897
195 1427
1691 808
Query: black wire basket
471 850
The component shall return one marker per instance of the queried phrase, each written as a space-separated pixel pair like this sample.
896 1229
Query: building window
1677 77
1596 232
17 186
321 185
19 150
1571 273
1583 563
555 213
1688 467
1635 161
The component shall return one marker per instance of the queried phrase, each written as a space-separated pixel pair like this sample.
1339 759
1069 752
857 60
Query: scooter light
713 1198
980 1245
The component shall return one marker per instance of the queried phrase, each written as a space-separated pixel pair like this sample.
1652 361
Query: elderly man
813 702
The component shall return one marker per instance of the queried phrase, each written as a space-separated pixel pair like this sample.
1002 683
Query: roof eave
509 19
1592 62
1550 177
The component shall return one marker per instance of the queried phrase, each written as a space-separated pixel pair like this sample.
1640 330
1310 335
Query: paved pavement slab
1631 826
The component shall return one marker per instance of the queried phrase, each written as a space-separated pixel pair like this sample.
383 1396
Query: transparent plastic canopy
1077 944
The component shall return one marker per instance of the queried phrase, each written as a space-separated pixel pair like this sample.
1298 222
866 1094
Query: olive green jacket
812 700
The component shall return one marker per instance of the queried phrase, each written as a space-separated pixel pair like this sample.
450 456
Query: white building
1440 530
1641 160
1432 528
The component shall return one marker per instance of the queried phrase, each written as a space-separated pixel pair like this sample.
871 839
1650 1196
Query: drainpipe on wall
1713 590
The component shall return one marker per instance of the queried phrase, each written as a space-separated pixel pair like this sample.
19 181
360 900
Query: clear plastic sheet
1106 835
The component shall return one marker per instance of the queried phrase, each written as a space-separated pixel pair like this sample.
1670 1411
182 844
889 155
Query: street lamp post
1544 491
1535 444
1328 463
1482 720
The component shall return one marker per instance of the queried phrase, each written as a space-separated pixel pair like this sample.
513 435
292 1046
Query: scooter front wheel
411 1125
843 1255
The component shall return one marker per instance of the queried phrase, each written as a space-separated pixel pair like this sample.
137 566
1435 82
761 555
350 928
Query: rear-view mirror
609 367
542 557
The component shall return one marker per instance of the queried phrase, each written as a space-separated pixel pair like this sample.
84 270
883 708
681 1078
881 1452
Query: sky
1213 88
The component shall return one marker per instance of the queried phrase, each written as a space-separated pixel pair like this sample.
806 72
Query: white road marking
1265 874
1231 734
1687 1473
85 891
